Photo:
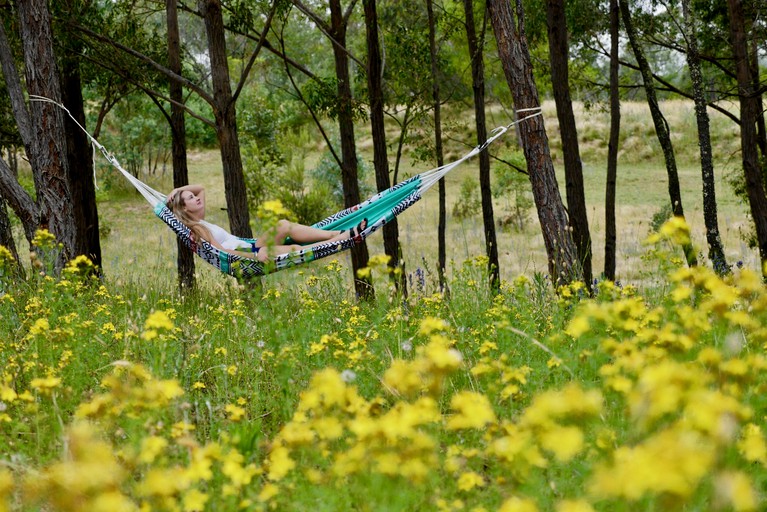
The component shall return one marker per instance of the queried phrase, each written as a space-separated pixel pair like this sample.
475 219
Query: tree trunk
360 257
752 44
749 112
48 156
442 225
80 157
226 120
612 148
517 67
380 159
559 54
478 86
185 258
661 126
715 250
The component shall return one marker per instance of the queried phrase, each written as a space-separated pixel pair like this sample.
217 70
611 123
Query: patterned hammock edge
379 209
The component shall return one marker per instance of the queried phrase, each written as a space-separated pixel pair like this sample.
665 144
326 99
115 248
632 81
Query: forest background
278 80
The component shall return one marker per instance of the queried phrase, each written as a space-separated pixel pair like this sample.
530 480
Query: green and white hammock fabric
378 210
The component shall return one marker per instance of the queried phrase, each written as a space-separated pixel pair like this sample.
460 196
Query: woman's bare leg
302 234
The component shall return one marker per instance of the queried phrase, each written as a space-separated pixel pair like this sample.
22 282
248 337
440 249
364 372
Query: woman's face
192 204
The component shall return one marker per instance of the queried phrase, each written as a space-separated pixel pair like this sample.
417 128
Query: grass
123 395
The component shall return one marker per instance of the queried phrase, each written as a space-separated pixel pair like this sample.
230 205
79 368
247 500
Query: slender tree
336 30
749 112
436 105
710 217
559 55
185 258
612 148
515 59
659 121
380 158
225 111
478 86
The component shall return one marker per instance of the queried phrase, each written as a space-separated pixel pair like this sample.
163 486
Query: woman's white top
224 238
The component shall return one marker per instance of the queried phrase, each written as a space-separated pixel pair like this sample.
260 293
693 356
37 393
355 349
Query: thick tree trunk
478 86
380 158
752 44
185 258
48 157
612 147
559 54
226 120
661 126
360 257
13 193
749 112
515 59
715 249
436 103
80 157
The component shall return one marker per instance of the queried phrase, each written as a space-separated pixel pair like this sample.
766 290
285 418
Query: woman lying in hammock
188 204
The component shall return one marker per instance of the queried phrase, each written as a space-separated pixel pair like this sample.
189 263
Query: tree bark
48 156
80 159
338 24
661 126
226 120
380 158
715 250
749 112
515 59
612 147
559 54
436 105
478 87
185 258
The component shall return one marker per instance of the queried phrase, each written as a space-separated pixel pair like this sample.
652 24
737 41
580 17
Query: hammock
380 209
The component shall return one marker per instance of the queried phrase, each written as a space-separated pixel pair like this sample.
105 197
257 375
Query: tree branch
147 60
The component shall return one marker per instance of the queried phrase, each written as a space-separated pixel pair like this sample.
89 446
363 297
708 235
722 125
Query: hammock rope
379 210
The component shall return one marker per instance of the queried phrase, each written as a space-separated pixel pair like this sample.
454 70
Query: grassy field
123 395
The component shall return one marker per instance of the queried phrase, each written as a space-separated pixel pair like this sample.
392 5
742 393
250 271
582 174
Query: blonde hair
176 205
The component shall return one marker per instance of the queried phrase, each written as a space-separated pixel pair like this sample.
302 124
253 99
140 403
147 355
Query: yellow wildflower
473 410
469 480
280 463
151 448
158 320
734 488
751 444
516 504
268 491
195 500
45 385
431 325
574 506
234 412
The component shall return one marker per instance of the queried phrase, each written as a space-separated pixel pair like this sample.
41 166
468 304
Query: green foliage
321 94
659 218
327 174
469 203
513 185
278 171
